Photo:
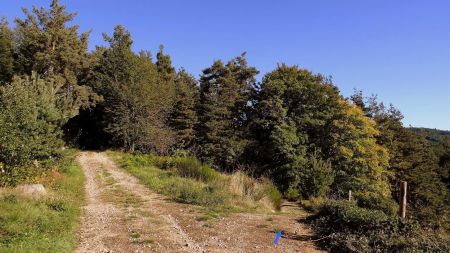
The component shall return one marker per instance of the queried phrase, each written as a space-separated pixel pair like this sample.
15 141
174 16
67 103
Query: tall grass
261 190
47 224
187 180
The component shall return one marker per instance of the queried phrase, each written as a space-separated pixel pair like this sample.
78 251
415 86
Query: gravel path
122 215
119 216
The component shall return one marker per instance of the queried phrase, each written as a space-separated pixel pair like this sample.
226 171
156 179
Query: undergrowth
345 227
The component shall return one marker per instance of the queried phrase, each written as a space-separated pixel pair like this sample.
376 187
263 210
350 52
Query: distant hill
433 135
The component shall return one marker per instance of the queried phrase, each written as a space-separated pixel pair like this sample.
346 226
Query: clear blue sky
399 49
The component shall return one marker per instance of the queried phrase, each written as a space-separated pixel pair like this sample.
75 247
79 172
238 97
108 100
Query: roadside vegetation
187 180
343 226
45 223
293 128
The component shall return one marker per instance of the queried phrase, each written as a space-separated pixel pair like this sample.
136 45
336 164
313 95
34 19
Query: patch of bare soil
122 215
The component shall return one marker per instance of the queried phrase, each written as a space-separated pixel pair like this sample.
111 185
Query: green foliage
374 201
187 167
273 194
6 52
360 163
136 101
164 67
292 194
346 227
315 178
45 225
183 116
225 90
413 159
28 123
308 138
428 194
294 127
433 135
47 46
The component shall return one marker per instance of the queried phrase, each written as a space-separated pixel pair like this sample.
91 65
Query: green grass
48 224
167 182
186 180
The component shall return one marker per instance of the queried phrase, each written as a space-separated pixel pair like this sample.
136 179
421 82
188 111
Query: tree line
293 126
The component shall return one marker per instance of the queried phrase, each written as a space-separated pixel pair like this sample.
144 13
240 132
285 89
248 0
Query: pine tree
183 117
6 52
164 66
47 46
224 94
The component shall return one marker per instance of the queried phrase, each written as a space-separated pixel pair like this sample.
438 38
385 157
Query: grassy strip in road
187 181
49 223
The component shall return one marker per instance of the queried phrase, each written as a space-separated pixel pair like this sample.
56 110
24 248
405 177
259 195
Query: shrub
13 175
189 167
375 201
346 227
313 204
309 177
29 124
193 168
292 194
316 177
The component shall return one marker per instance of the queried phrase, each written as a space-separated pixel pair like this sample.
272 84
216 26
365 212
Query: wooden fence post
403 190
349 195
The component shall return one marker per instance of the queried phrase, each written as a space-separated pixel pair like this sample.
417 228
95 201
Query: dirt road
122 215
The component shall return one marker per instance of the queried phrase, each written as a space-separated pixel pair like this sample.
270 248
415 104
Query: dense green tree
136 100
285 113
54 50
225 90
299 115
183 116
6 52
28 121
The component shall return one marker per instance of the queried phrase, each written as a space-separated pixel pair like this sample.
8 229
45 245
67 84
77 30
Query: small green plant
292 194
135 235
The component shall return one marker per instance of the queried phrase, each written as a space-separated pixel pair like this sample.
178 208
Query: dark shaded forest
293 127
